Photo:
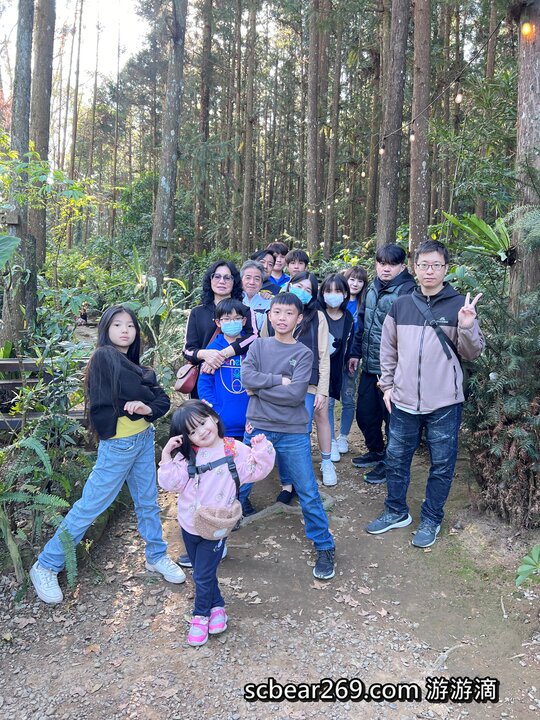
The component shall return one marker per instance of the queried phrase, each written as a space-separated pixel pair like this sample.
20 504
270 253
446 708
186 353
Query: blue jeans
441 427
130 460
293 452
205 556
348 402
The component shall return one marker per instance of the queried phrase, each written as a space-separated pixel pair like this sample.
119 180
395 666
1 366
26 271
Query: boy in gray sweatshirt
276 374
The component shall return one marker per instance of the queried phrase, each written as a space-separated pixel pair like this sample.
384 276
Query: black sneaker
184 561
247 508
324 567
377 476
368 459
285 496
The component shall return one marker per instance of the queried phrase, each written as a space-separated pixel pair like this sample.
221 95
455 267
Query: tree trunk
114 181
444 195
21 292
480 204
201 200
312 223
236 204
387 214
247 209
162 240
90 168
331 184
68 90
40 110
419 180
525 274
373 160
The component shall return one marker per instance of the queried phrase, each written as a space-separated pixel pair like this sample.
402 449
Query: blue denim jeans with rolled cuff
293 453
205 556
129 459
441 433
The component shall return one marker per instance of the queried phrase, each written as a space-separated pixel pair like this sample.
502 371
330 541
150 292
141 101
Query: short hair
229 305
278 248
391 253
298 255
249 264
287 298
260 254
429 246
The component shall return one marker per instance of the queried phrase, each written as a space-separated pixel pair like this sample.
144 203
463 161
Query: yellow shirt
126 427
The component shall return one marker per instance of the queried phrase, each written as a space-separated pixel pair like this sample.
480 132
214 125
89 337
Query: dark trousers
441 428
205 556
371 412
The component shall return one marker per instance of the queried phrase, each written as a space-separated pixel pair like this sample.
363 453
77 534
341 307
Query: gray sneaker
426 534
388 521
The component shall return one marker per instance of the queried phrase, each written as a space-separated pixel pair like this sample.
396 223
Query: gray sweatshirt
273 406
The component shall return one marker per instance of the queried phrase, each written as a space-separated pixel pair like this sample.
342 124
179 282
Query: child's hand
249 428
172 444
137 406
285 380
258 439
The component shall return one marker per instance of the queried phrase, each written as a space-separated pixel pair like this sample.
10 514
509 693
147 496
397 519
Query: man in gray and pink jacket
425 335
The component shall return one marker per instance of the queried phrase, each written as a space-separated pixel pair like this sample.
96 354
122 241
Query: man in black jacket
393 279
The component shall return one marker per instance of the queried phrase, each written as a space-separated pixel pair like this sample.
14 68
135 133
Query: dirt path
116 648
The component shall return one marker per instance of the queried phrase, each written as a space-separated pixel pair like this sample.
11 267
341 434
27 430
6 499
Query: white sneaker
45 582
343 444
329 476
334 452
169 569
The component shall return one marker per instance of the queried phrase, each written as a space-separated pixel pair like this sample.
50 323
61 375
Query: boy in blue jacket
223 389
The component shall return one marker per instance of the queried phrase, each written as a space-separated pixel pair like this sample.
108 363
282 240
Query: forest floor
116 647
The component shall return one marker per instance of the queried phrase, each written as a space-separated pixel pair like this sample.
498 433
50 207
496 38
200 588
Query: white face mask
333 300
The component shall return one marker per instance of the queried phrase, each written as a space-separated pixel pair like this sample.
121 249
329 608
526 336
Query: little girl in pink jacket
197 438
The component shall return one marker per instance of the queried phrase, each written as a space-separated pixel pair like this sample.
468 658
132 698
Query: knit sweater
215 488
274 406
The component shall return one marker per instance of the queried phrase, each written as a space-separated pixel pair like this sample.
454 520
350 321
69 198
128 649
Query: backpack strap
228 459
445 341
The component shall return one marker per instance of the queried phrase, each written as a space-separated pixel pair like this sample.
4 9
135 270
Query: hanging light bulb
411 136
459 97
382 149
347 190
527 29
363 173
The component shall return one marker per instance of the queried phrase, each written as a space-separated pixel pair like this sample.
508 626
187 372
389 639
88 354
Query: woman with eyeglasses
221 281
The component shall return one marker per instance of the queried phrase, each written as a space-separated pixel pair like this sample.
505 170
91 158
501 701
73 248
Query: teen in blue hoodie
224 389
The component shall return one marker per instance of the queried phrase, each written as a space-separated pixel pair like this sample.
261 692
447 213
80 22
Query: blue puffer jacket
378 300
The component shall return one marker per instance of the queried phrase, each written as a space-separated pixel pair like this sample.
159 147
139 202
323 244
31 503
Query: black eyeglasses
217 276
437 266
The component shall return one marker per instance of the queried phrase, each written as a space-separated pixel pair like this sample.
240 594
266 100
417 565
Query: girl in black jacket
124 399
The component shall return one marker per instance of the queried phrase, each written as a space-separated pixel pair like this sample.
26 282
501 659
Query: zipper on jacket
420 361
420 364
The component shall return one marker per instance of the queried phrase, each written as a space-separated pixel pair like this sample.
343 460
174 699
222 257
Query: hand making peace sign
467 314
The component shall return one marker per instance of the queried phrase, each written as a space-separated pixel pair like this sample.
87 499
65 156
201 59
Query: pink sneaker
198 632
218 621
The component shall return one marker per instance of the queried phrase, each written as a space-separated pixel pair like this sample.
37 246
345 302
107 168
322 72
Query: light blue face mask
231 327
301 294
333 300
